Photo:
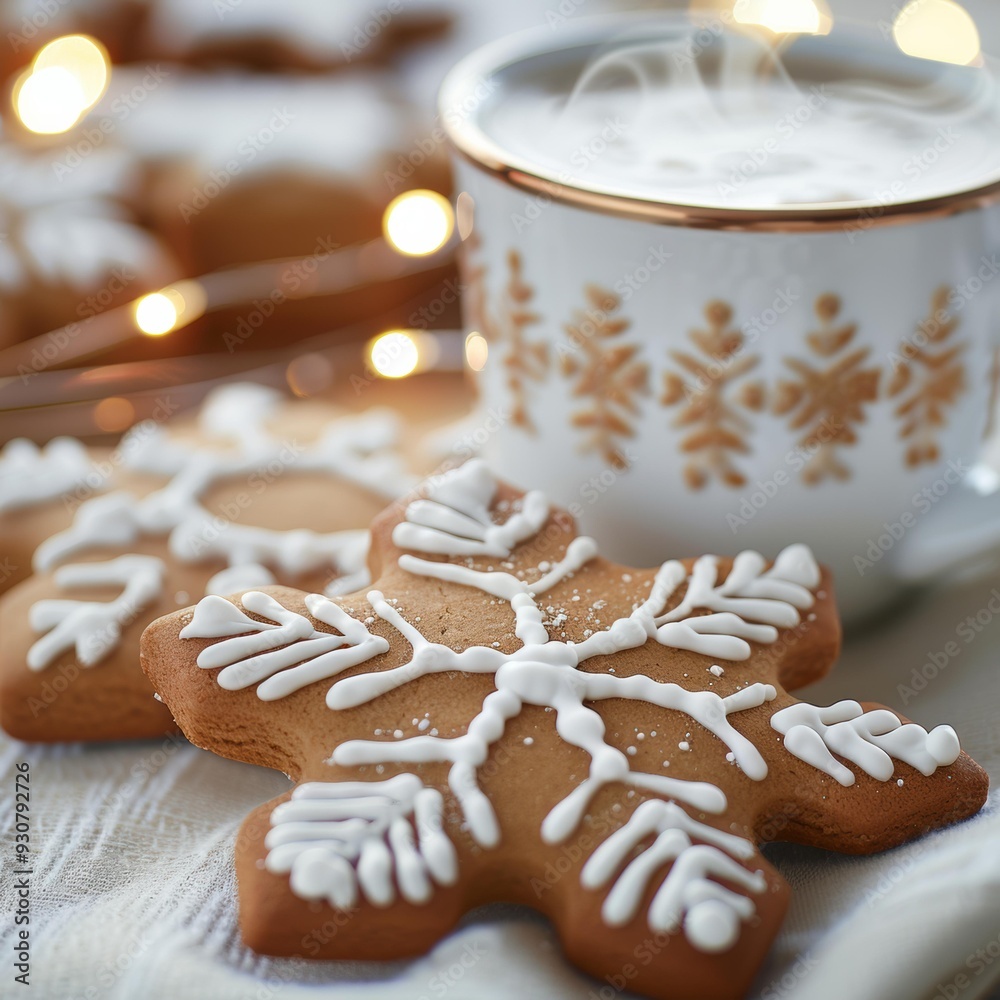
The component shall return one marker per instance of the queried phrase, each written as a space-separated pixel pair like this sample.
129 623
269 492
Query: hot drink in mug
734 298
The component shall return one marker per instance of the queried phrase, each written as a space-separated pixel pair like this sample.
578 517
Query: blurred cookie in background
72 245
28 24
243 168
312 35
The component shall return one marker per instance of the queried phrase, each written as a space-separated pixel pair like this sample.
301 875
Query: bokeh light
394 354
162 312
941 30
309 374
802 17
113 415
419 222
85 58
49 101
66 79
156 314
477 351
465 214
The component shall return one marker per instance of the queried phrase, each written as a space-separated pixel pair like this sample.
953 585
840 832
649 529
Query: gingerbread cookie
509 716
295 34
266 509
245 168
42 487
72 248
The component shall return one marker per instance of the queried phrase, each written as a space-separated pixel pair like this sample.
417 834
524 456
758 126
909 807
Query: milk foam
735 130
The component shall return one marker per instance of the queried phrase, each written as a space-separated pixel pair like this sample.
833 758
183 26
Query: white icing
318 29
339 128
67 225
93 628
357 449
234 578
871 740
239 411
30 475
689 895
749 595
336 838
455 519
284 653
109 521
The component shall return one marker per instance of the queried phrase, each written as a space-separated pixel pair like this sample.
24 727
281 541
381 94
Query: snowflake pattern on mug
607 374
524 360
828 403
930 377
709 386
823 400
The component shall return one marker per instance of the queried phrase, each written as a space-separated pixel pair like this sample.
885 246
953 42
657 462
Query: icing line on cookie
93 628
30 475
357 449
336 838
454 518
689 895
871 740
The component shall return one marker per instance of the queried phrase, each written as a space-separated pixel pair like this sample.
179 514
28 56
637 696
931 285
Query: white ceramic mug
692 380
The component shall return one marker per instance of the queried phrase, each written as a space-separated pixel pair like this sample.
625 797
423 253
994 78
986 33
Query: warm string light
477 351
399 353
162 312
66 79
785 17
941 30
418 223
114 415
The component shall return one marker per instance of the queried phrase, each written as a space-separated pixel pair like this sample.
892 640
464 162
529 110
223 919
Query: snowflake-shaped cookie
508 716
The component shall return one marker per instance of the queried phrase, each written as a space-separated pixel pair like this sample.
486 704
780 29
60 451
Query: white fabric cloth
133 893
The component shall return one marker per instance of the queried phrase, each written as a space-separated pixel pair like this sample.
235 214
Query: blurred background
194 191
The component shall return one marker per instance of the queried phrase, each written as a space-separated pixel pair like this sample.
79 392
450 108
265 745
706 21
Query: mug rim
474 145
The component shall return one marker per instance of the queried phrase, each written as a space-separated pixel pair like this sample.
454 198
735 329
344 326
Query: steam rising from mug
728 124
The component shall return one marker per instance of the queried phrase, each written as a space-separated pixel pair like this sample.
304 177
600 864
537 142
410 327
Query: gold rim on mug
476 147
